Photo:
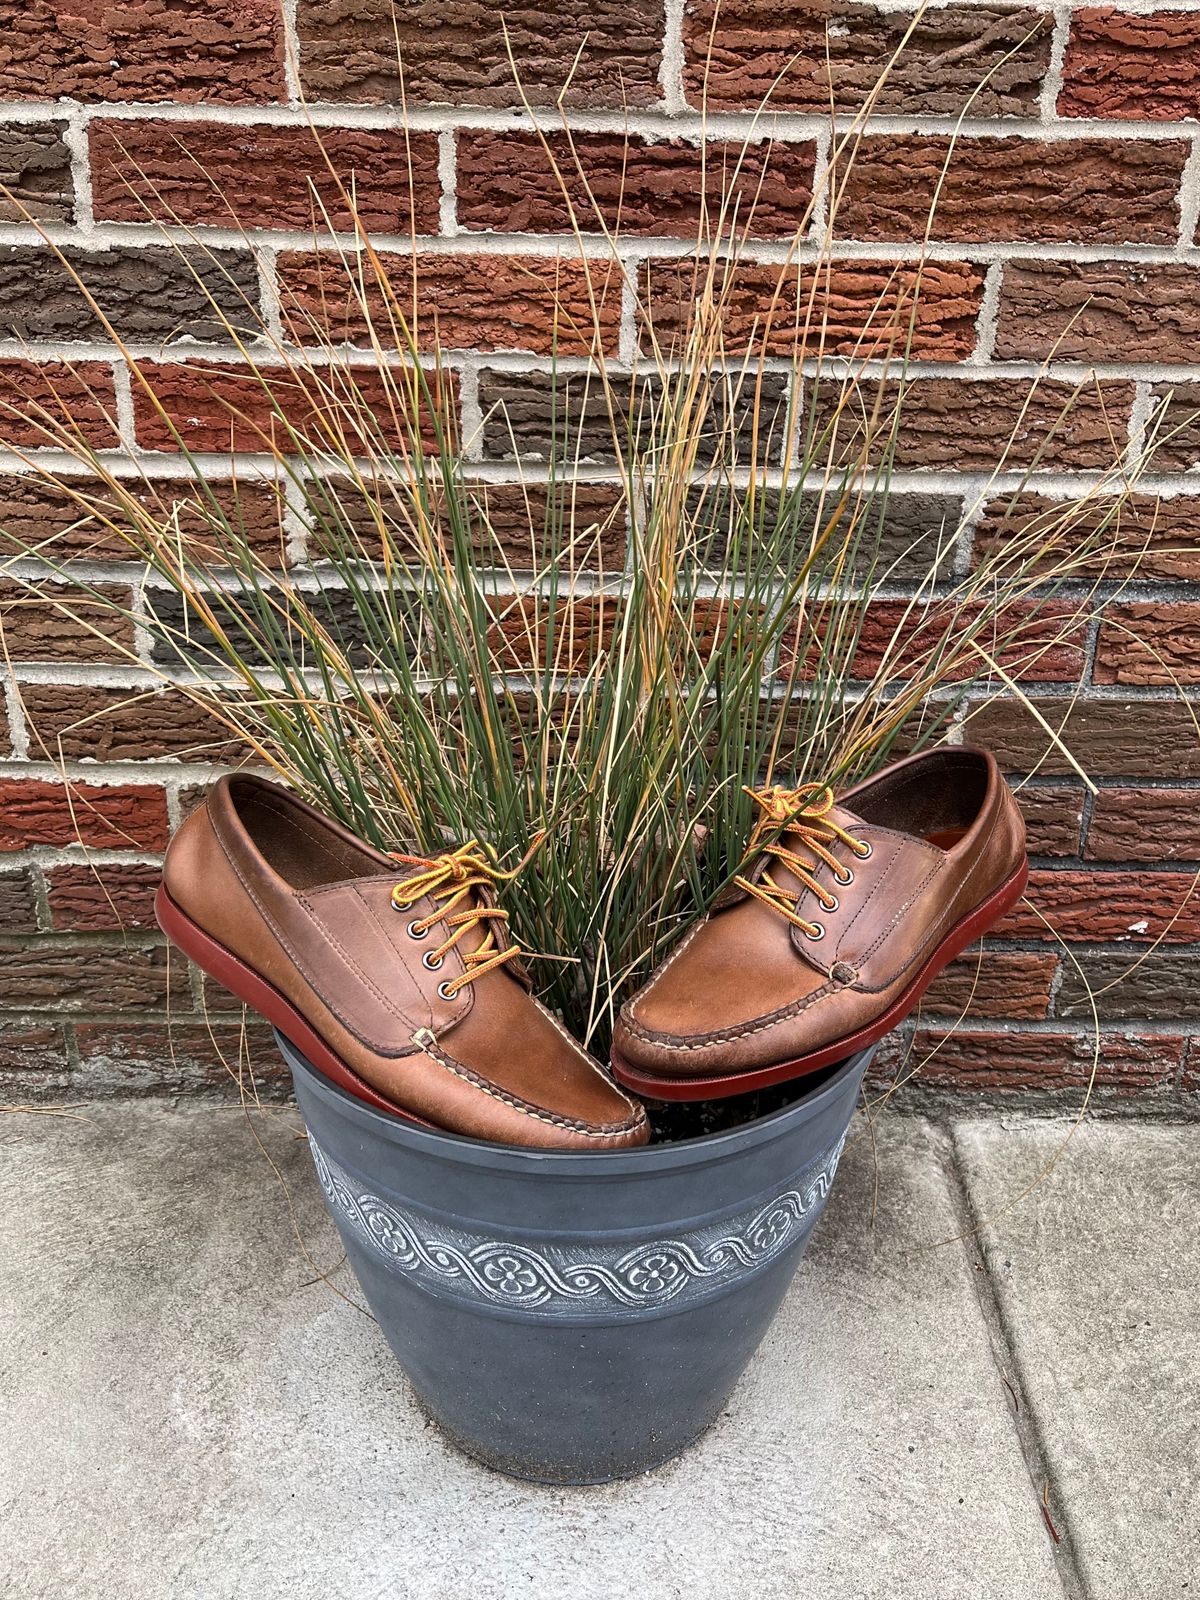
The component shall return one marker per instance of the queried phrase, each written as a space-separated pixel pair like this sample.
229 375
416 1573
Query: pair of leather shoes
398 978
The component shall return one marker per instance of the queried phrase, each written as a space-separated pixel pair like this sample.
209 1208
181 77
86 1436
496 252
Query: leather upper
309 907
747 988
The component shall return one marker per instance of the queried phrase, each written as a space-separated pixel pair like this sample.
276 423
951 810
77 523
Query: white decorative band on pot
553 1280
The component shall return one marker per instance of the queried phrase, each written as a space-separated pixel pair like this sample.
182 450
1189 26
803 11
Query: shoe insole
946 838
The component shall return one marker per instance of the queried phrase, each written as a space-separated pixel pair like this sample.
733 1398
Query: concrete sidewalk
966 1395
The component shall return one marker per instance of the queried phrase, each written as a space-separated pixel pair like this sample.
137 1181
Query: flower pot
570 1317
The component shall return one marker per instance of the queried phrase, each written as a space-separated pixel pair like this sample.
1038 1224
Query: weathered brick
1122 65
58 622
1190 1078
226 50
1040 642
1148 643
1087 191
123 816
1140 824
207 406
144 294
42 401
1100 906
862 309
972 426
35 169
1099 311
265 177
1161 986
18 910
998 983
34 1057
508 184
522 525
83 722
179 1058
100 897
481 302
1175 427
1109 738
529 632
78 519
60 974
986 59
604 53
1053 817
533 415
1146 535
1012 1061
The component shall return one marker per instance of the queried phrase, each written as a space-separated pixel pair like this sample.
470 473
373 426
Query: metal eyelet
815 937
414 932
445 992
830 905
431 961
848 879
866 853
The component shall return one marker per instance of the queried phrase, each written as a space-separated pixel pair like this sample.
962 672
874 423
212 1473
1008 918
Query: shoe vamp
738 966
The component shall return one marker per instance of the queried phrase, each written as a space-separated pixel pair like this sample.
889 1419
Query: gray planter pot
575 1318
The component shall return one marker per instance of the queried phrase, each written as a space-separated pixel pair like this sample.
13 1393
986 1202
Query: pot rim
645 1159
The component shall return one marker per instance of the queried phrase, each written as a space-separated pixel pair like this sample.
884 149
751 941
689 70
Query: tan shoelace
803 811
450 880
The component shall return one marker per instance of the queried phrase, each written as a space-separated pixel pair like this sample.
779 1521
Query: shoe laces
451 881
803 815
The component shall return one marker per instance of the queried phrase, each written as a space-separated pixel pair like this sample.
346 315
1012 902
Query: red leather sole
262 996
960 936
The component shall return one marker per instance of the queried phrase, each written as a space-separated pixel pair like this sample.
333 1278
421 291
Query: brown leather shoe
395 976
833 933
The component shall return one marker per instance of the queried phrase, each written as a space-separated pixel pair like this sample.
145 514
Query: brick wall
1072 198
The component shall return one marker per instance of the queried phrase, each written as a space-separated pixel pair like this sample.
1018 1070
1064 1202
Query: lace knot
804 813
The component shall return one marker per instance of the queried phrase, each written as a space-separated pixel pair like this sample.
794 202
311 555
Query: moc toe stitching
741 1030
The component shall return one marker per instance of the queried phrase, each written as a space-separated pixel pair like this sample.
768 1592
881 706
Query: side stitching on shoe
426 1041
743 1031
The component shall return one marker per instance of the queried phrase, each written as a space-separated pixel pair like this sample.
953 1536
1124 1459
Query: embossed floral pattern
555 1279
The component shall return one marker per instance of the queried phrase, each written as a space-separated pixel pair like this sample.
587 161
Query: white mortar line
448 178
470 414
822 179
266 260
636 121
1139 416
1053 81
76 140
291 52
989 313
123 405
627 336
670 71
17 729
1189 200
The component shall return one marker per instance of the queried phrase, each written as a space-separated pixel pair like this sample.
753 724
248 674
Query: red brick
180 1057
83 722
1139 824
63 975
1122 65
1086 191
859 309
1011 1061
1040 642
1053 819
219 408
1100 906
80 519
1000 983
508 184
18 910
92 899
43 403
57 622
225 50
481 302
1150 643
974 426
803 55
1099 311
598 53
264 177
1146 535
529 633
123 816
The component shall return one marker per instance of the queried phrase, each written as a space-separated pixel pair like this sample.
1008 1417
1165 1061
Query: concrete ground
981 1385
